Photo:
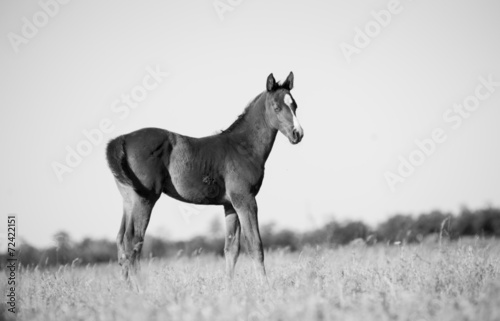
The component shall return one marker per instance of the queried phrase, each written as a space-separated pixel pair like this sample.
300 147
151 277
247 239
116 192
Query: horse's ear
289 81
271 83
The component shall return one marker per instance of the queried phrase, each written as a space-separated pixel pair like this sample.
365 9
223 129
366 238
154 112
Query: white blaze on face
288 101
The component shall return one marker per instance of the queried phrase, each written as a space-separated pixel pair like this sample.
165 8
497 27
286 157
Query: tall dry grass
447 281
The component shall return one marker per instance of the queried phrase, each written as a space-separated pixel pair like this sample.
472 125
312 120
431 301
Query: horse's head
281 109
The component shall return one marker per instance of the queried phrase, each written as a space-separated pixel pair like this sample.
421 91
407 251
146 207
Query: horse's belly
194 187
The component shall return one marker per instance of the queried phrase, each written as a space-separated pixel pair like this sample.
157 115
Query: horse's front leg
246 208
232 245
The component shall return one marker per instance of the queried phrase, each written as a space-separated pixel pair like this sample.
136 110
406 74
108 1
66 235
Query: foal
225 169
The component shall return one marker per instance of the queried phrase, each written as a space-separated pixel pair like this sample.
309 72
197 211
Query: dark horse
223 169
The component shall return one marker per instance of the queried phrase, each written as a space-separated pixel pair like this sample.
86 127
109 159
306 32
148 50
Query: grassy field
457 281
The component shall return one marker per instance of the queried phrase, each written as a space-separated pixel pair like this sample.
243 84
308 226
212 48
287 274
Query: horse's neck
254 134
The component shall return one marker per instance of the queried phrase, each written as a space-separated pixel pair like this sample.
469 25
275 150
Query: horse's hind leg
136 215
119 243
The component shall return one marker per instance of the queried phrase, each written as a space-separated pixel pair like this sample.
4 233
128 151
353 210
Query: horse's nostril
296 135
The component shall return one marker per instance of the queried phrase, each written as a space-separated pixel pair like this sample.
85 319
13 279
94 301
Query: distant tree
281 239
29 255
429 223
156 247
344 234
63 253
95 251
464 224
488 222
62 240
318 236
396 228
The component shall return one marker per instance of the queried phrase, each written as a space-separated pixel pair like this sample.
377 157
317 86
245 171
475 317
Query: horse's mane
241 117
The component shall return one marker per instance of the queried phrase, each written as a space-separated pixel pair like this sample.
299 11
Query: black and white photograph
250 160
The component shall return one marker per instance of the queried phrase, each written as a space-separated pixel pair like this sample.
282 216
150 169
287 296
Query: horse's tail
116 155
117 160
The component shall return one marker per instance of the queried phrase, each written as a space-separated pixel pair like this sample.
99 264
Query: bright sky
71 73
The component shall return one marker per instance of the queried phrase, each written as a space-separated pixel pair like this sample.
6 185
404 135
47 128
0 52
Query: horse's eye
277 108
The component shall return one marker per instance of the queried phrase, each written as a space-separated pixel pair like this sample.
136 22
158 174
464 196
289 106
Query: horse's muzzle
297 135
